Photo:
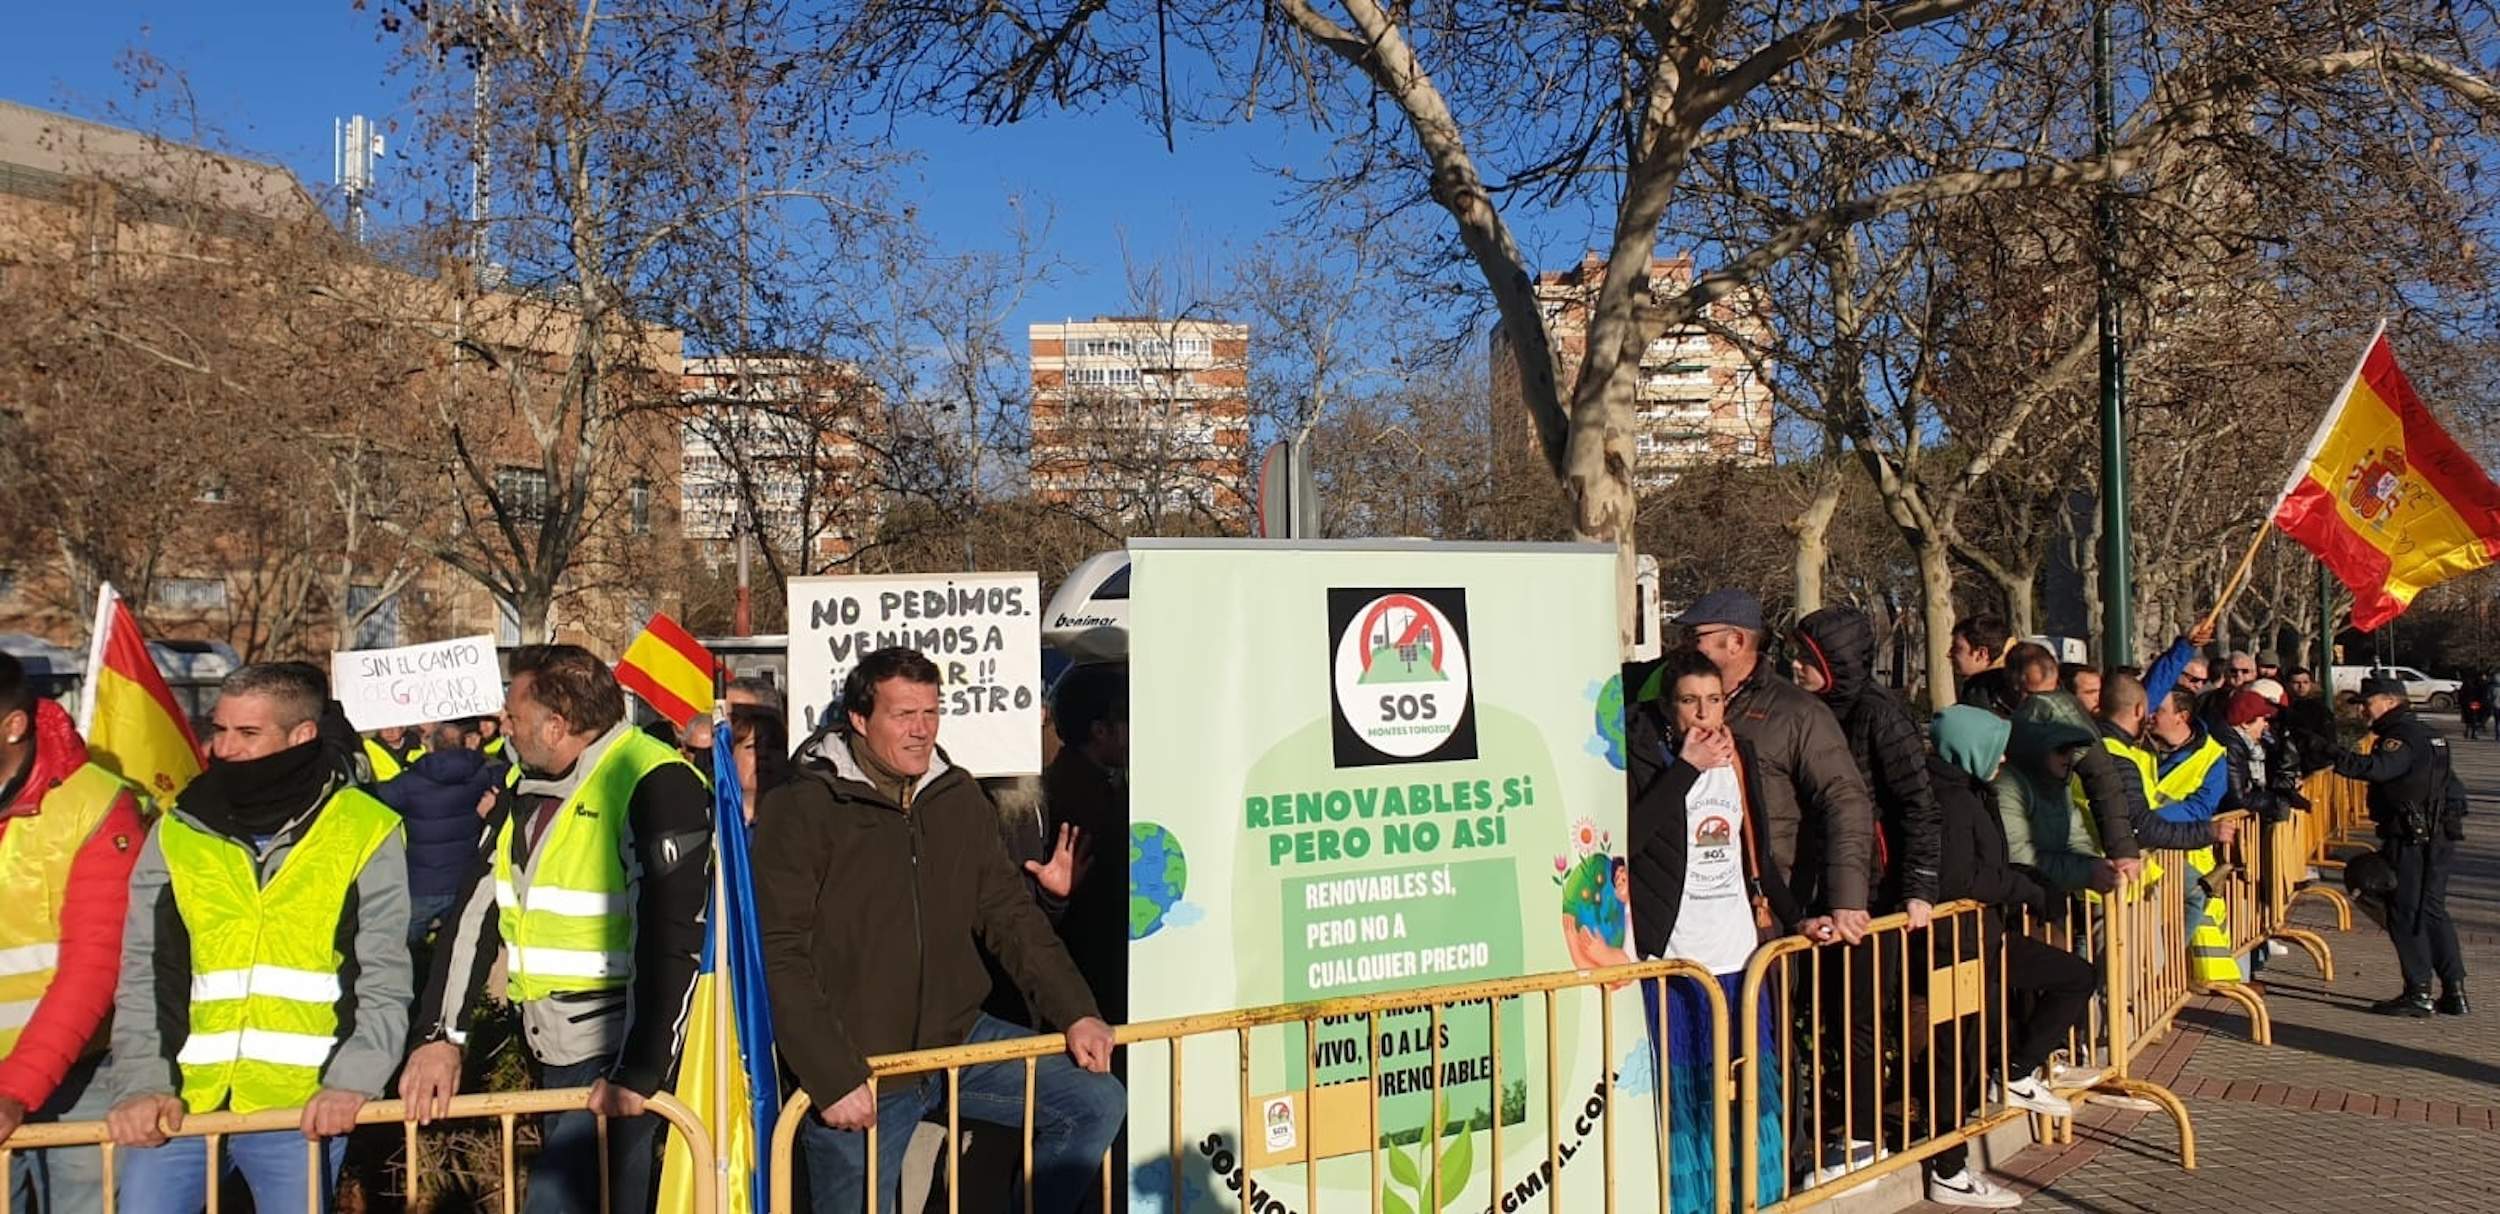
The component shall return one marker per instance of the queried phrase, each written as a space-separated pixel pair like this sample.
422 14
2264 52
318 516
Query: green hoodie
1971 739
2042 829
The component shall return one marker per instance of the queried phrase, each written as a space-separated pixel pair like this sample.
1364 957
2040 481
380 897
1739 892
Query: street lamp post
2117 556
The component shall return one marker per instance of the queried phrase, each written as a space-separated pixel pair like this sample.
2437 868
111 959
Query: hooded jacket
1970 742
2111 785
1814 803
70 1017
1840 641
869 913
437 797
2042 829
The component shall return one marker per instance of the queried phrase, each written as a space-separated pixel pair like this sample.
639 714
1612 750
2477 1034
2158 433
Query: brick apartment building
98 210
1699 399
1142 420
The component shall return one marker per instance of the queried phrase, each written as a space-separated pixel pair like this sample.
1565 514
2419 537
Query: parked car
2438 695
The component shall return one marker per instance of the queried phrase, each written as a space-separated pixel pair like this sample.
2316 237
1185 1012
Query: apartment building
1699 400
1142 419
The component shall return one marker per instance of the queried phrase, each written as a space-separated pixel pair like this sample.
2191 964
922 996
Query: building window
523 492
378 629
1747 446
191 593
638 501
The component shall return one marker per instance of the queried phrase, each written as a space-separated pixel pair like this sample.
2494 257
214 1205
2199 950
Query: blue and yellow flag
732 1021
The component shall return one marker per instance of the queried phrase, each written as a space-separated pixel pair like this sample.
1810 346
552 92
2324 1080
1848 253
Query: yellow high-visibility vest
569 925
265 959
36 852
386 765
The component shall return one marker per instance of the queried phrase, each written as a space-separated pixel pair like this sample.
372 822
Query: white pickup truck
2439 695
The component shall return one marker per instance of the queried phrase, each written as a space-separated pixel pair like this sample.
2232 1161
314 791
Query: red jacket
74 1007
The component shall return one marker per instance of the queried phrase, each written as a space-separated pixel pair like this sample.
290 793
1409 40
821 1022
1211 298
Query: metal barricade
1881 1044
1362 1118
2286 883
2138 935
2234 883
505 1108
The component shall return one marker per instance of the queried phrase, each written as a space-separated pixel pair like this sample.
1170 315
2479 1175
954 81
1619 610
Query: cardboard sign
415 684
983 631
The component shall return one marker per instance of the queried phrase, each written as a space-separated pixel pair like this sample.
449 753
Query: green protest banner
1371 767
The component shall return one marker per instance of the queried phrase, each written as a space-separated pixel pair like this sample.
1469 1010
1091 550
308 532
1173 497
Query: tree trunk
1813 529
2022 598
1597 475
1935 590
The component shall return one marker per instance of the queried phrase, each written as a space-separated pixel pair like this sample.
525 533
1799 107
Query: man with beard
264 958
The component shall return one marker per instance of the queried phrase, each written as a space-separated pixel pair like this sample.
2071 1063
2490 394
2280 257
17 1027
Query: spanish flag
130 719
670 670
2385 498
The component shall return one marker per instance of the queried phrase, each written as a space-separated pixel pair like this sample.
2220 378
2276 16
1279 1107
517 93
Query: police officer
2419 812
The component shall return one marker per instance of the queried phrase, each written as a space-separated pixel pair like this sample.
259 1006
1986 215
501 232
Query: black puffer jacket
1657 783
1885 743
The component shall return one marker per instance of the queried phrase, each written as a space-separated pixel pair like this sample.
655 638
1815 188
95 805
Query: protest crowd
322 919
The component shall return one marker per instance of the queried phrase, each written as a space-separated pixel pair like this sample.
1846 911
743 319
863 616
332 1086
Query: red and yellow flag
2385 498
132 723
670 670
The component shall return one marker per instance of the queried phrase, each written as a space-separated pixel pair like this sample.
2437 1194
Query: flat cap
1726 608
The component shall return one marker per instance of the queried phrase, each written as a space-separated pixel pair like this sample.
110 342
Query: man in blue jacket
441 795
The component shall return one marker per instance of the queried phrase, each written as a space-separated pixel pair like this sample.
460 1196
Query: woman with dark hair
1703 890
761 741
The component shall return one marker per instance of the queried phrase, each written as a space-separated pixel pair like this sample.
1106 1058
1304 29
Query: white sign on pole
983 630
415 684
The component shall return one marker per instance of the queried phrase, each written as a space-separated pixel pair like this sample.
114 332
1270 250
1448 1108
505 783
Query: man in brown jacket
875 870
1820 815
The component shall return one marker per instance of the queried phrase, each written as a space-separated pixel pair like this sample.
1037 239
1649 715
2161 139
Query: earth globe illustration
1158 876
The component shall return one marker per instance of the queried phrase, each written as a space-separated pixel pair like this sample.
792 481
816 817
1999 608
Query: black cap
2380 685
1726 608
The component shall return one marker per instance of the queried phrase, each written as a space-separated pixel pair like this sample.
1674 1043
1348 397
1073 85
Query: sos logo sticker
1399 676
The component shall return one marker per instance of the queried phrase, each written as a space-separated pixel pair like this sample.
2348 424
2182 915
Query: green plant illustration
1415 1186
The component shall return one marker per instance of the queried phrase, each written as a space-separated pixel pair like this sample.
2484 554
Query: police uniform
2417 807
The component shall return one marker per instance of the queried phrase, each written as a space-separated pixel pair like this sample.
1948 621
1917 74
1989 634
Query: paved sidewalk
2347 1112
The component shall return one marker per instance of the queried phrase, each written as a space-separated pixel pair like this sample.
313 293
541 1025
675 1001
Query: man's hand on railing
855 1112
1089 1043
614 1100
429 1080
2226 830
1921 914
12 1115
2128 869
2104 877
331 1112
144 1121
1851 924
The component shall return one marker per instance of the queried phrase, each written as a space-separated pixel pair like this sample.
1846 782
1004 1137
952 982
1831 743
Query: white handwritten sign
983 630
414 684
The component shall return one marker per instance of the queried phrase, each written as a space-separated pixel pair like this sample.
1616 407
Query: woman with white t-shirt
1700 891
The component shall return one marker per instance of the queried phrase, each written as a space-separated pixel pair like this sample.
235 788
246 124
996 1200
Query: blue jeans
1078 1114
564 1178
64 1180
173 1178
423 910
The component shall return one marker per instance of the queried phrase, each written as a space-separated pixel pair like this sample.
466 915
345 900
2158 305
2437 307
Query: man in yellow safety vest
69 831
268 927
591 887
390 751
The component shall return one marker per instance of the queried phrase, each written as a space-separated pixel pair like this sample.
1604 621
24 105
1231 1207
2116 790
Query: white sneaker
2032 1092
2276 948
1971 1191
1835 1167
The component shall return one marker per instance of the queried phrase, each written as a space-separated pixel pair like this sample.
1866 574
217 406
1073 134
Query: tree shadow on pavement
2368 1050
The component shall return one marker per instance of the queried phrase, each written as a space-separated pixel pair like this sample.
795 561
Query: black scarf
253 798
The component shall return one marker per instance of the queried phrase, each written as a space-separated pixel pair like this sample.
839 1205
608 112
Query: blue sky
272 74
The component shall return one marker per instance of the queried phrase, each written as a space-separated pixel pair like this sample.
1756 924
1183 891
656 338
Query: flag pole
104 597
2300 470
721 1004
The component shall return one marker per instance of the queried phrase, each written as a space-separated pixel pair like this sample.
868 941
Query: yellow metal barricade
1322 1116
505 1109
2287 866
2234 883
